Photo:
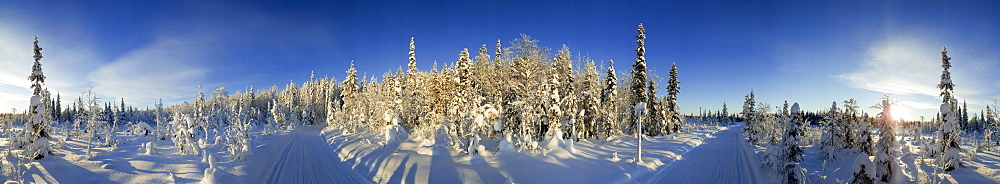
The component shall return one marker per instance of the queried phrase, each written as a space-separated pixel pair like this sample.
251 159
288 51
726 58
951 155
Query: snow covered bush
183 138
209 177
141 128
863 170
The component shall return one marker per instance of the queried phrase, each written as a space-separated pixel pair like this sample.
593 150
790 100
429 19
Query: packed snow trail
307 158
727 158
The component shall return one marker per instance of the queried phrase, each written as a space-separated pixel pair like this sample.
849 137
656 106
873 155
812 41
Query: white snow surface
727 158
301 157
591 163
309 154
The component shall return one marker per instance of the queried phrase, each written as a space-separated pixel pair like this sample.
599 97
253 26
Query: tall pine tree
638 89
412 66
673 88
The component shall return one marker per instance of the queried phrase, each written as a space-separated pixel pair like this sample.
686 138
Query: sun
899 113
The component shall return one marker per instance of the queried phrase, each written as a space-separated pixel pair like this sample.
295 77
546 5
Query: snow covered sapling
41 121
829 142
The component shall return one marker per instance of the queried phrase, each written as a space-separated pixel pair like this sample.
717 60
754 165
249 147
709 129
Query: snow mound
864 164
505 146
150 147
210 171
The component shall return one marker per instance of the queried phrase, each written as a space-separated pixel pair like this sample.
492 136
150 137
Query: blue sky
812 52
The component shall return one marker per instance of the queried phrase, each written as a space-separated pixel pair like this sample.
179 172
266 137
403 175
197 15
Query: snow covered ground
311 154
300 157
593 162
727 158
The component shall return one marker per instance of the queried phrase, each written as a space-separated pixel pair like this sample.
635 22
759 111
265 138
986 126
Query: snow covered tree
162 130
349 96
238 133
831 142
608 94
749 118
38 127
950 136
725 113
792 153
91 114
563 65
885 159
412 66
674 88
638 86
850 121
655 121
482 58
865 141
57 108
498 51
590 100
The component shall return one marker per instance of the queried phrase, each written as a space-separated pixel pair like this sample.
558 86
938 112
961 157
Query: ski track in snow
307 158
726 158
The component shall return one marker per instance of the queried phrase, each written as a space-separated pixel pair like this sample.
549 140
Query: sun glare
899 112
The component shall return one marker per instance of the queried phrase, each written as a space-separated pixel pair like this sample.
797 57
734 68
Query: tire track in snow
723 159
307 158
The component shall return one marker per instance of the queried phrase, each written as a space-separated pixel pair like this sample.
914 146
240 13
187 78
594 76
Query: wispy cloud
898 66
167 68
911 66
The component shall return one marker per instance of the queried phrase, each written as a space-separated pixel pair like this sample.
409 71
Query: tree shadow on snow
64 172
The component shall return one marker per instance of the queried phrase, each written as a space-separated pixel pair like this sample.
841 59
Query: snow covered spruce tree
349 95
589 101
830 142
725 114
655 120
608 95
950 145
638 86
674 111
38 133
412 66
885 158
850 121
749 118
792 153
